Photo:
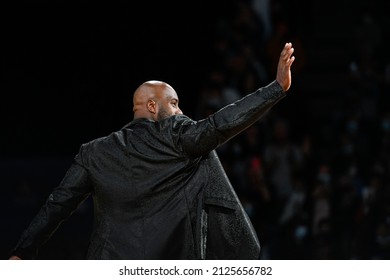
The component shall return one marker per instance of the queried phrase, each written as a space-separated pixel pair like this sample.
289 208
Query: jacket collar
136 121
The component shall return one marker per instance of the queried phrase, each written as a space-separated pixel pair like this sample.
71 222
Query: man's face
168 105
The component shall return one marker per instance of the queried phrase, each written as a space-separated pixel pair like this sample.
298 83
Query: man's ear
151 106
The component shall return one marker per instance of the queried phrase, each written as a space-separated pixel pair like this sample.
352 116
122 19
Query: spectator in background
283 161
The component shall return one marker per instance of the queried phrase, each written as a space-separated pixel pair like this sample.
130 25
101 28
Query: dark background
68 71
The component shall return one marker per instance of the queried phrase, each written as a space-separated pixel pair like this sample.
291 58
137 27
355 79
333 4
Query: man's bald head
155 100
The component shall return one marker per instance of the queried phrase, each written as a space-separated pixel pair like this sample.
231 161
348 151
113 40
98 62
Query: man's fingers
290 61
286 59
287 52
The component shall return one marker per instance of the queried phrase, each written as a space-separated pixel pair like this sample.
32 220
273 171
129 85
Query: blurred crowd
315 186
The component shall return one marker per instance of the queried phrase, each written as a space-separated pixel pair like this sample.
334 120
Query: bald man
156 101
158 187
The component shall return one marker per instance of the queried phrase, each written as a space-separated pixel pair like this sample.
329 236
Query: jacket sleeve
61 203
198 138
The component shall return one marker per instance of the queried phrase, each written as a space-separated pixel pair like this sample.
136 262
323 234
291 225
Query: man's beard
162 114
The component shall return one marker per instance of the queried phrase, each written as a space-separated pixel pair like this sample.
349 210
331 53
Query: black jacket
159 189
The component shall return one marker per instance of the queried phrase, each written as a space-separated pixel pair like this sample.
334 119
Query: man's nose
179 112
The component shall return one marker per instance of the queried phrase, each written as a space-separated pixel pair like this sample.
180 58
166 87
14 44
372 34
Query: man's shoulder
101 140
99 145
174 122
